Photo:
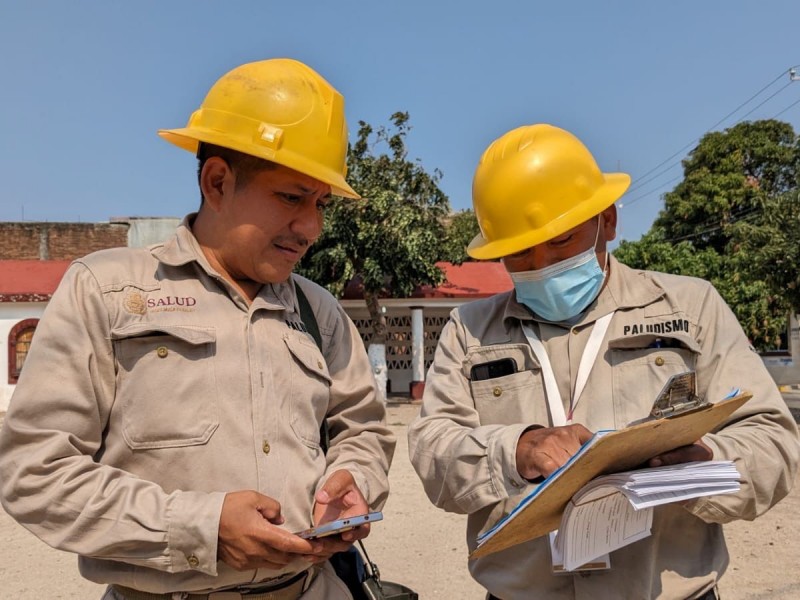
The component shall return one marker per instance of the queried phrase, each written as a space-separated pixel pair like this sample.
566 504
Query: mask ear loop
596 239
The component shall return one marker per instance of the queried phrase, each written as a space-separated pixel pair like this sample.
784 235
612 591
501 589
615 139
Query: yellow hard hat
533 184
280 110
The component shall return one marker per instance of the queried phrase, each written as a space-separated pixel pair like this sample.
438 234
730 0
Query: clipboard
615 451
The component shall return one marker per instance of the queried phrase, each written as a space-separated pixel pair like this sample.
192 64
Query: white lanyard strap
557 413
551 392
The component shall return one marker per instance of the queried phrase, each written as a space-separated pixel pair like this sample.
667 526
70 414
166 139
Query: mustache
293 241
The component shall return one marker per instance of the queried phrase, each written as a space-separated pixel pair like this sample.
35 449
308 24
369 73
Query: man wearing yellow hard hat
167 424
583 343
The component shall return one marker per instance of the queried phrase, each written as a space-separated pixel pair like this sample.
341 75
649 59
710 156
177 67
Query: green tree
461 228
729 176
765 250
734 221
390 241
654 252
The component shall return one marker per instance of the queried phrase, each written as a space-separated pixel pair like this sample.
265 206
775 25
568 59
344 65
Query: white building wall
785 367
12 313
144 231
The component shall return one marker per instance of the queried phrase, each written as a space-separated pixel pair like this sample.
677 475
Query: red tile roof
30 280
469 280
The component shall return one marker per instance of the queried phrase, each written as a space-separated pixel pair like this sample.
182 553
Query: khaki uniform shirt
152 388
463 444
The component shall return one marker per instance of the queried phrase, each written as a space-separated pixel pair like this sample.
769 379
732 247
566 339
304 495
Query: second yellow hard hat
280 110
535 183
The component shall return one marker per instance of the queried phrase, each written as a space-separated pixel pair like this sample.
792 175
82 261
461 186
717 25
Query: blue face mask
563 290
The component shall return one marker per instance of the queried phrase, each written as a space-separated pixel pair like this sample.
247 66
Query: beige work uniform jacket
463 444
152 388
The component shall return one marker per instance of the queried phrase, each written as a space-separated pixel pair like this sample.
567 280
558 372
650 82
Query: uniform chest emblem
135 303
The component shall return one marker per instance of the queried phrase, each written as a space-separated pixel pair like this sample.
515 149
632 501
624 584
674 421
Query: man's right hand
542 450
250 536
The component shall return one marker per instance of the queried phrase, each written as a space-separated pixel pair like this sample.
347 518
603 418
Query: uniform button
575 331
659 361
193 561
319 364
162 351
497 391
265 447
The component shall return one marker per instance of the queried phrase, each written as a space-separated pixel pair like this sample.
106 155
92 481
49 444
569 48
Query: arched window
19 342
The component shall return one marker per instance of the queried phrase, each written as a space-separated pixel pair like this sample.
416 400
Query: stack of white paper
615 510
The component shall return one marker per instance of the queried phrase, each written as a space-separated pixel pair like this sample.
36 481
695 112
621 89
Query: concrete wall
146 231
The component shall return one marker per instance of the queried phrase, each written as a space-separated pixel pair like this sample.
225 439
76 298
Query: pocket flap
655 340
190 334
306 352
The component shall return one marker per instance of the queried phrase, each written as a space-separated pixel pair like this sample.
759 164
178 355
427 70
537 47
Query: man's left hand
691 453
337 499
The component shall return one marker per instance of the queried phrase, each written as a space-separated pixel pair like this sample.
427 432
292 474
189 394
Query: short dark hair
245 166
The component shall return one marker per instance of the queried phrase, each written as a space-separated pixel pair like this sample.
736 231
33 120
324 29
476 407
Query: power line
767 100
644 179
796 102
627 203
669 167
734 111
747 216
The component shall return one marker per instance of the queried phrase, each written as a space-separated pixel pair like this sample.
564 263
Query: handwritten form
613 511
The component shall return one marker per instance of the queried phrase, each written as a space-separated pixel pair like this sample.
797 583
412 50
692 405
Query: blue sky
86 84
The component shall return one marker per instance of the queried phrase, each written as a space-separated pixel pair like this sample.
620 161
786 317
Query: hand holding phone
339 525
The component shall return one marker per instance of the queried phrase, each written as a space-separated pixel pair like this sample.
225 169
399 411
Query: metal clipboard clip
678 397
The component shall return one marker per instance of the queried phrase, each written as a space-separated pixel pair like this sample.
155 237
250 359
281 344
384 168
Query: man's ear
217 181
609 218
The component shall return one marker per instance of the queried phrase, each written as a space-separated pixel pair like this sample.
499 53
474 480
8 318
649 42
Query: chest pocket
166 384
641 365
310 387
507 399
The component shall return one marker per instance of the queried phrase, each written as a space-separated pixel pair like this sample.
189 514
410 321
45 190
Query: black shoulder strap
310 321
307 315
349 565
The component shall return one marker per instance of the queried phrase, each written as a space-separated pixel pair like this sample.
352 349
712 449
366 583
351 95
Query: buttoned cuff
193 531
502 455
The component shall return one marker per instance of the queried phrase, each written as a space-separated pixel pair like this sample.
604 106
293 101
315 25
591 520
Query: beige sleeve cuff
193 531
502 454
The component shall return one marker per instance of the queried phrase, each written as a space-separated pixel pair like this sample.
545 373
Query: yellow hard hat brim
189 139
614 186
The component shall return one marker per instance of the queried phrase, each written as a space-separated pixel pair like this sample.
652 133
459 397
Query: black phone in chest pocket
493 369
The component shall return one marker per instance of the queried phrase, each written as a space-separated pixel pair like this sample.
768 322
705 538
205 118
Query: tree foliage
390 240
460 229
728 177
735 220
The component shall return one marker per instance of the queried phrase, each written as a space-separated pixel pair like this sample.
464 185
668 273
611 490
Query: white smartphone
339 525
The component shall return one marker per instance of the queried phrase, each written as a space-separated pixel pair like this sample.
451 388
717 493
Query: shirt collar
183 248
